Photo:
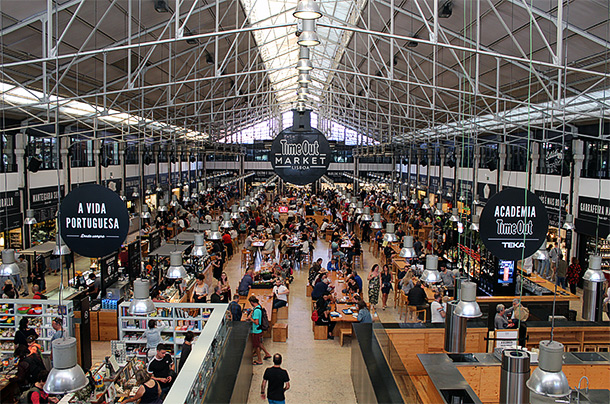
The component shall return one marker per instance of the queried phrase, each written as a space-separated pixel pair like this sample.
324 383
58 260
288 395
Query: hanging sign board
93 221
301 154
514 224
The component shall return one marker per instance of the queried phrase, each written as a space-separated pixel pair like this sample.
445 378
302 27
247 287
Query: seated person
417 296
358 280
332 265
320 287
162 368
269 247
500 321
352 286
246 283
364 315
324 301
324 319
280 294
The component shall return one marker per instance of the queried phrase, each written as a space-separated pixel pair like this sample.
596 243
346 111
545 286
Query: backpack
314 316
26 396
243 226
264 322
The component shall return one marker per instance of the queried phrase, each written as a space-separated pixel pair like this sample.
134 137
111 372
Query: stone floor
319 370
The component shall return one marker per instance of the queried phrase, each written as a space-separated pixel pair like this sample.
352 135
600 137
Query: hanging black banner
300 155
514 224
94 221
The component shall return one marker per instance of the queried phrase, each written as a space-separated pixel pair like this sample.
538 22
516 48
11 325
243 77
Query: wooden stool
274 316
358 261
413 314
308 290
320 332
282 313
246 257
344 332
280 332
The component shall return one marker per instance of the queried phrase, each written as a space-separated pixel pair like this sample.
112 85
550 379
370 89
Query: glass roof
279 49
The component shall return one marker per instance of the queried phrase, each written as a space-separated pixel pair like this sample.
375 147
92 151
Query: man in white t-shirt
280 294
437 309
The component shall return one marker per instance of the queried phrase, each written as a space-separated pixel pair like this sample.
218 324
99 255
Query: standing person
38 273
554 254
216 296
235 308
438 309
24 331
186 348
162 368
278 380
386 285
216 267
364 315
57 325
23 274
561 271
225 288
201 290
573 275
228 242
153 337
374 282
255 316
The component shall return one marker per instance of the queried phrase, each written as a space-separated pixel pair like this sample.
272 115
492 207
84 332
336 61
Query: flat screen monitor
505 271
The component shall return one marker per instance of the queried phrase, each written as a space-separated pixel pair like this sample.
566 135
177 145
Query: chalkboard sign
133 260
109 269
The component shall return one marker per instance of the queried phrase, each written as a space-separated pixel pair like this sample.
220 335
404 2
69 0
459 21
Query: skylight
279 50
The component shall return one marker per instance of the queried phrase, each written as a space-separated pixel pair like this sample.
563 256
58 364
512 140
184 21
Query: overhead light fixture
476 200
159 189
366 215
141 304
199 248
439 209
594 273
29 217
389 235
446 10
359 209
66 376
413 44
548 379
454 215
426 204
431 274
176 269
61 248
135 194
376 224
542 254
162 207
475 223
145 212
242 207
449 194
174 201
309 36
468 307
569 223
304 78
307 10
161 6
226 221
234 212
186 198
407 250
214 233
9 266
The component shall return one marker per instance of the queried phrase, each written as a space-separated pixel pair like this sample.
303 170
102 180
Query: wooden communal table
339 285
265 298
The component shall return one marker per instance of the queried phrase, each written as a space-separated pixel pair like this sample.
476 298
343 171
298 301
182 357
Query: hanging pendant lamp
141 304
66 376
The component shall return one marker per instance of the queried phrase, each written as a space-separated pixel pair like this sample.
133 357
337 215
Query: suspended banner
300 155
94 221
514 224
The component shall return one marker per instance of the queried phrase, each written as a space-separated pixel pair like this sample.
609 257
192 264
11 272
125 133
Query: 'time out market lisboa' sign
514 224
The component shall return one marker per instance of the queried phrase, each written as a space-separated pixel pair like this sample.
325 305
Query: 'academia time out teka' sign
94 221
300 154
514 224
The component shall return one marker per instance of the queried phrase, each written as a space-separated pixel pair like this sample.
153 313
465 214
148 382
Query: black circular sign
300 157
93 220
513 224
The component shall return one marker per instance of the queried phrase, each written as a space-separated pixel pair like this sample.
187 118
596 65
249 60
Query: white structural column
579 157
501 165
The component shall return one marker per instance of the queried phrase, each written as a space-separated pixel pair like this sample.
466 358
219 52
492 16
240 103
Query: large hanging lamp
214 233
174 201
145 212
176 269
376 224
199 248
548 380
61 248
226 221
407 250
431 274
234 212
454 215
366 215
66 376
29 217
359 209
141 304
307 10
468 307
569 223
162 206
309 36
475 223
8 267
426 204
242 207
389 235
439 209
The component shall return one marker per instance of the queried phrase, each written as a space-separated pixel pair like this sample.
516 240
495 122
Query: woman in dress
386 285
374 281
225 288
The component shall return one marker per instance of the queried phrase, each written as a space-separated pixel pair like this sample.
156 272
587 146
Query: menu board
109 268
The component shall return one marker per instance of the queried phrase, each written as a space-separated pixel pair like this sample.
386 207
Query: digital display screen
505 271
283 209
